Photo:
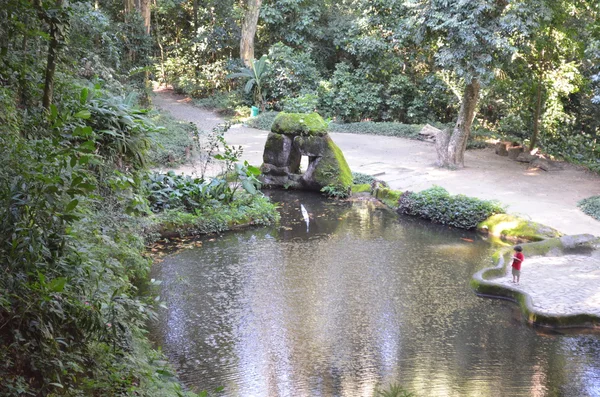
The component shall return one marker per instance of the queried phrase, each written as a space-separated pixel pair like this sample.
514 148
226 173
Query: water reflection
360 300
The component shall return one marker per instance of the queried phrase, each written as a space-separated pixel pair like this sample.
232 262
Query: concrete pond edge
483 283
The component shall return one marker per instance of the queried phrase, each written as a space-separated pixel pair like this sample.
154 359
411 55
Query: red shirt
517 261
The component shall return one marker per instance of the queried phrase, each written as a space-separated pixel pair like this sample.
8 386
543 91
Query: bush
350 97
173 142
360 178
290 73
437 205
591 206
306 103
383 128
263 121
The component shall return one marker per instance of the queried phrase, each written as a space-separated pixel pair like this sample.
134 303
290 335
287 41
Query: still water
360 300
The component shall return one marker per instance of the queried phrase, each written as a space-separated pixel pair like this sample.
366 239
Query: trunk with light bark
249 30
451 147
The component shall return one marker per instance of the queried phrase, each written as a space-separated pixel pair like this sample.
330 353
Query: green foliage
263 121
591 206
247 209
383 128
306 103
67 309
360 178
351 96
200 80
172 142
437 205
254 77
291 74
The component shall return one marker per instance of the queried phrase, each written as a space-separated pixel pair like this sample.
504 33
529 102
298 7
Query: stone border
481 281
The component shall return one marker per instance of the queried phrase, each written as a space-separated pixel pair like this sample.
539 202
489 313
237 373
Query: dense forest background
535 63
78 136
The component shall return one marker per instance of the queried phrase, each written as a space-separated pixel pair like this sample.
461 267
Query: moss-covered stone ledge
492 282
512 228
175 223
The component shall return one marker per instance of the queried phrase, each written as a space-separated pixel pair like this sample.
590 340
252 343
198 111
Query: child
516 263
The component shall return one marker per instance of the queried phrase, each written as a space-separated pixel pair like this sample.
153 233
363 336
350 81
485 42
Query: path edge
483 283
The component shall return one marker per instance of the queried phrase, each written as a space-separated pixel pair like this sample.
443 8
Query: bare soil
549 198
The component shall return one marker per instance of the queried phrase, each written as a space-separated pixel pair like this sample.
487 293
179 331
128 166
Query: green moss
388 196
218 218
515 228
299 124
362 188
274 143
333 170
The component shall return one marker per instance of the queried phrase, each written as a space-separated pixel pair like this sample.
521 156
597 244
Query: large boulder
295 135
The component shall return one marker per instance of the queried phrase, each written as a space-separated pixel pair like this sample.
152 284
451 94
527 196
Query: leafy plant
335 191
254 79
360 178
437 205
590 206
394 390
263 121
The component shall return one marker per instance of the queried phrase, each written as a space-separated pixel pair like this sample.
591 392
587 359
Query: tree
465 37
249 25
57 17
254 76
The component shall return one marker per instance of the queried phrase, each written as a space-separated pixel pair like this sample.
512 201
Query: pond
357 299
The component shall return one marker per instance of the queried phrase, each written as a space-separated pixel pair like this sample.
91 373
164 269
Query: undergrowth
263 121
591 206
437 205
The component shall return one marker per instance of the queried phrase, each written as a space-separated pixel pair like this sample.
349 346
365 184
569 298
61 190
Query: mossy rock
361 188
299 124
388 196
332 169
513 228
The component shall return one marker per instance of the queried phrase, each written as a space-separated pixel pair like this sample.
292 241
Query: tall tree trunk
51 61
144 8
536 115
249 30
128 6
195 10
451 148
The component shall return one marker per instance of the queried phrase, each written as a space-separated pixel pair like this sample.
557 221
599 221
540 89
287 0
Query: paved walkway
563 285
549 198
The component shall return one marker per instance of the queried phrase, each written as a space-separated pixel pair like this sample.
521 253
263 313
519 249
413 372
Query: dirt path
546 197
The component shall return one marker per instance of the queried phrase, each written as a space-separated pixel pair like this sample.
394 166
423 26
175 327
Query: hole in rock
304 161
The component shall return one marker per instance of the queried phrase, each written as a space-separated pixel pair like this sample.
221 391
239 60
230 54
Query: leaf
87 146
71 206
253 170
248 186
57 385
84 95
58 284
83 114
53 112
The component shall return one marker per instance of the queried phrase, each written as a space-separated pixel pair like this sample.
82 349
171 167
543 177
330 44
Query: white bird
305 216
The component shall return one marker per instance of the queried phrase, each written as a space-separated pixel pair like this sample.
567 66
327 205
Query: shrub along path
549 198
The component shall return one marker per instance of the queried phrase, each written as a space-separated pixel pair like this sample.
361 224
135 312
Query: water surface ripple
362 299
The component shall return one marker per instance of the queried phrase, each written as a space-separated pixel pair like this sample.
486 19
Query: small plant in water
394 390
